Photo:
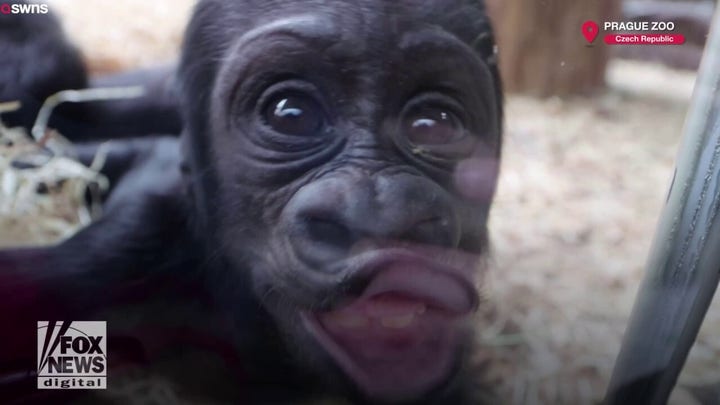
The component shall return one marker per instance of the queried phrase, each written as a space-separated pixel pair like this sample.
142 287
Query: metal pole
683 269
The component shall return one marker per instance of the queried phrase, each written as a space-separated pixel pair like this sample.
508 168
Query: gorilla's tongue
397 340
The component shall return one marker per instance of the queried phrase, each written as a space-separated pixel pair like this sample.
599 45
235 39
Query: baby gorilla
324 139
327 233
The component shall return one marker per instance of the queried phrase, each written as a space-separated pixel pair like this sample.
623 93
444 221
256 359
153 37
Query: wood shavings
43 204
581 189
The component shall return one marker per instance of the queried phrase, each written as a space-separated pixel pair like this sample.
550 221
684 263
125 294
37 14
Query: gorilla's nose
327 218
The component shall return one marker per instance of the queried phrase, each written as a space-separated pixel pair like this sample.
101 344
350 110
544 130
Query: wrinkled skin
330 222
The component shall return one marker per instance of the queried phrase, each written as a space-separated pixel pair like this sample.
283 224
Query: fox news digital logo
72 355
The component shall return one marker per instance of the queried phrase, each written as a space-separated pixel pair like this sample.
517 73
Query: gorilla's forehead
375 20
368 12
329 34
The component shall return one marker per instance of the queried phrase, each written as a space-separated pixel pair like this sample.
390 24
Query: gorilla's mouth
401 337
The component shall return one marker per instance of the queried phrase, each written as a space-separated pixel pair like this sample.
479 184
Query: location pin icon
590 30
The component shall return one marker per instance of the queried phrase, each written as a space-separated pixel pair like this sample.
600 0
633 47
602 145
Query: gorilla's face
355 153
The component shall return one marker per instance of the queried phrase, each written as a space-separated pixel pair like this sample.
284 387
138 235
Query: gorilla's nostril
329 231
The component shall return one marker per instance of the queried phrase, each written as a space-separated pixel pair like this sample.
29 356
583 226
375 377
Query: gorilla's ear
486 47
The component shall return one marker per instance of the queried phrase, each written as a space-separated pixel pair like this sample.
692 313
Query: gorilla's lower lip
398 340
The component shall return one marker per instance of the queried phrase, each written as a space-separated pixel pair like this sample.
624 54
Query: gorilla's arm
154 113
100 273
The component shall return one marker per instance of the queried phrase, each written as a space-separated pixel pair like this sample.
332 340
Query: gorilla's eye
294 114
432 126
